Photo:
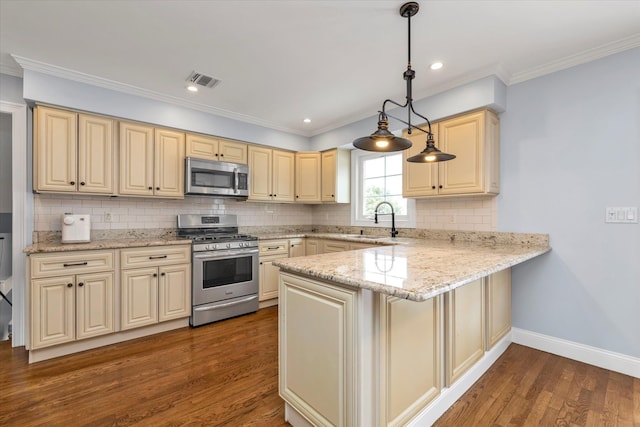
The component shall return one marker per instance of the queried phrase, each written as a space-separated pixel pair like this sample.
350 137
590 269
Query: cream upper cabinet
210 148
336 176
73 152
151 161
475 139
308 177
271 174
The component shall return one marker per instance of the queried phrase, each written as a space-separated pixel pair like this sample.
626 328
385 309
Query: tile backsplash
122 213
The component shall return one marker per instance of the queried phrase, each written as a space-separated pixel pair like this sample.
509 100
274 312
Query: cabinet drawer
274 247
56 264
153 256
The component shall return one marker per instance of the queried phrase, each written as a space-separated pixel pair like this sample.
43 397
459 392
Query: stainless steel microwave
213 178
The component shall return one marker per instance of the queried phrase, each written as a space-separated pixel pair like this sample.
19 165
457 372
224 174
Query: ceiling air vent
202 80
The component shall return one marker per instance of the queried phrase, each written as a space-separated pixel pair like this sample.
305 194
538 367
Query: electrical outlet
107 217
627 215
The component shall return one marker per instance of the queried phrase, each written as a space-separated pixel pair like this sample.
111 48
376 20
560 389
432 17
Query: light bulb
436 65
429 158
192 87
382 143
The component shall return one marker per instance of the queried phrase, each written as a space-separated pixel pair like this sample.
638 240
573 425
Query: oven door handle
226 304
224 254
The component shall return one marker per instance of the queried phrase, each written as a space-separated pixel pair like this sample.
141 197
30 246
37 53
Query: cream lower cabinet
155 285
312 246
465 328
498 306
329 246
268 274
296 247
318 367
71 297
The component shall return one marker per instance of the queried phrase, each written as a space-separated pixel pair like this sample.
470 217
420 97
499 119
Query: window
377 177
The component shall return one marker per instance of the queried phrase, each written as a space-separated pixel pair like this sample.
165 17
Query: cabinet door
329 176
463 136
308 177
296 248
169 163
56 141
232 151
260 173
136 159
334 246
283 176
174 292
139 297
94 305
201 147
52 311
498 295
268 278
419 179
465 328
312 247
95 154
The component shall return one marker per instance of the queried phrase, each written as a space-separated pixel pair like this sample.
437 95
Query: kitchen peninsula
393 335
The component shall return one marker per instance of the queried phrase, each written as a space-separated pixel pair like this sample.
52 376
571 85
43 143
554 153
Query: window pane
373 167
370 204
394 164
399 205
394 185
373 187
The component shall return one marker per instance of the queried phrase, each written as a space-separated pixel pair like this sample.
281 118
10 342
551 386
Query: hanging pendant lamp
382 140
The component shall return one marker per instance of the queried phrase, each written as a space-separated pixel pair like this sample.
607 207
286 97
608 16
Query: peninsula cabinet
498 306
155 285
72 297
308 177
211 148
475 139
73 152
151 161
271 174
336 176
296 247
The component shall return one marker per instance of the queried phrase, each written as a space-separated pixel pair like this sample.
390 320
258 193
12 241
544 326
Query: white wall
570 145
5 165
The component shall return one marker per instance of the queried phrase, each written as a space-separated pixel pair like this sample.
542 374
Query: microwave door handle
235 180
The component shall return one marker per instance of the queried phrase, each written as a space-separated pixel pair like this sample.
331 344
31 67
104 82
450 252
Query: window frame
357 219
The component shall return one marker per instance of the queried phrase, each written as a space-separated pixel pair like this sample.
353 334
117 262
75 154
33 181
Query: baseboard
610 360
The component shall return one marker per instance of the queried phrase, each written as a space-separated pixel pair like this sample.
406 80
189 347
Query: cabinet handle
82 183
69 285
158 257
72 183
155 274
272 248
80 284
74 264
162 274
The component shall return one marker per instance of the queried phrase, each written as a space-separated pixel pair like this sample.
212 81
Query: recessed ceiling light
307 120
192 87
436 65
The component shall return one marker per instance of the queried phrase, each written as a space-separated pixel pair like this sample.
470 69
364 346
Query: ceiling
282 61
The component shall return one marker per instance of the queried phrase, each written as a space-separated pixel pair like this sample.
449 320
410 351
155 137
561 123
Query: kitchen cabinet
312 246
329 246
318 365
308 177
73 152
71 297
498 306
465 328
474 139
211 148
270 251
155 285
151 161
336 176
296 247
271 174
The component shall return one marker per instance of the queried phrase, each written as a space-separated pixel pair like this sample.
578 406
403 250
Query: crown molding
579 58
10 70
77 76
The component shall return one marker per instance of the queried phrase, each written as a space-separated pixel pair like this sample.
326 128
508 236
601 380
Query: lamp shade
430 154
382 140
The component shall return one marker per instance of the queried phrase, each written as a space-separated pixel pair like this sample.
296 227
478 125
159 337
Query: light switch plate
627 215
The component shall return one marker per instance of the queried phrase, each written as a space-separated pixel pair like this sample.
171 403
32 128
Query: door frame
22 216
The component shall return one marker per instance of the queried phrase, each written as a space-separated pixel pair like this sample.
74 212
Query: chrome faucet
394 232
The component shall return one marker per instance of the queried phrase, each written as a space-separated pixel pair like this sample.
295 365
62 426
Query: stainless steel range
225 267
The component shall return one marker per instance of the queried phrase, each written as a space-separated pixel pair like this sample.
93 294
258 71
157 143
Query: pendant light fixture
382 140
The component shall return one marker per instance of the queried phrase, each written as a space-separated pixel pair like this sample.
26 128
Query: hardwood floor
225 374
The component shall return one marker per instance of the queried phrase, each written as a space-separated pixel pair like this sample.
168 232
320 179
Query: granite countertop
413 269
377 240
58 246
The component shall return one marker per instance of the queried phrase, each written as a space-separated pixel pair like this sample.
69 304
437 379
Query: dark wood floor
225 374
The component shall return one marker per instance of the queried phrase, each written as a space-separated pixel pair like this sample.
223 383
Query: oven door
223 275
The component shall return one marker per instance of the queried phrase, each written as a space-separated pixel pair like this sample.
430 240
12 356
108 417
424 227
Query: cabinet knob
155 274
439 186
69 285
333 195
158 188
260 262
80 284
221 155
275 195
216 154
162 274
82 183
433 187
72 183
150 188
297 197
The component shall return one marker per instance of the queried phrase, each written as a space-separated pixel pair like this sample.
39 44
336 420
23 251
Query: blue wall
570 148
